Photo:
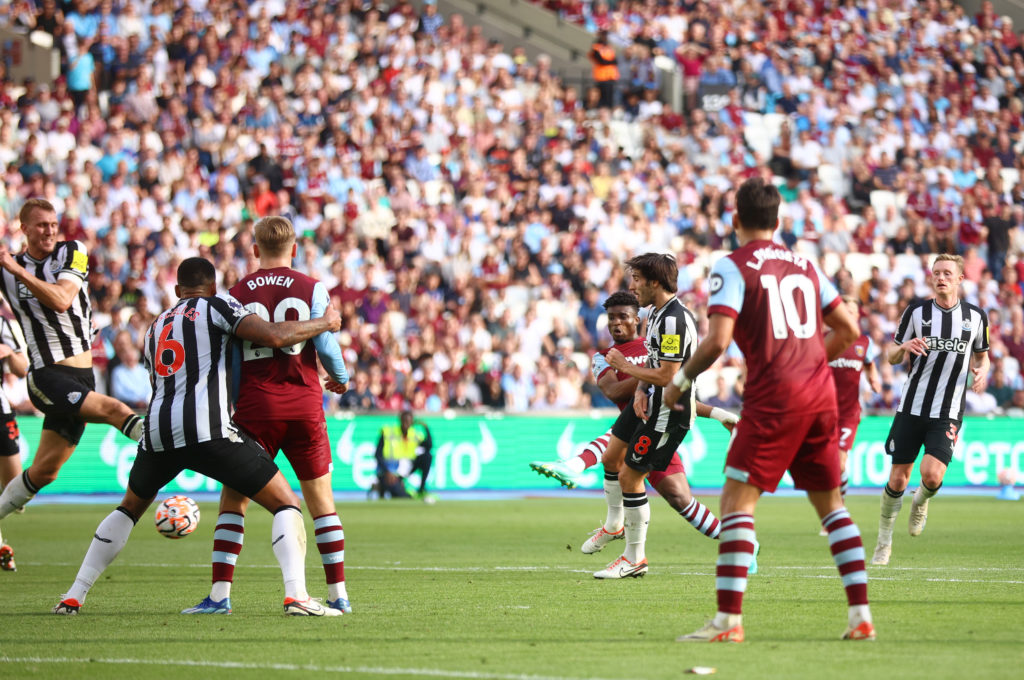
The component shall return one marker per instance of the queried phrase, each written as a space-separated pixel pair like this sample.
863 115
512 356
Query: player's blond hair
274 234
946 257
34 204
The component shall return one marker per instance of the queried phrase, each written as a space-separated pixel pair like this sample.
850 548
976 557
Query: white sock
336 590
111 535
727 621
637 519
887 517
220 590
288 534
613 499
16 494
922 494
858 613
575 465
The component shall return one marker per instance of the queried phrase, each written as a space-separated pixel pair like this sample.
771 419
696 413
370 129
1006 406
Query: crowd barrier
491 452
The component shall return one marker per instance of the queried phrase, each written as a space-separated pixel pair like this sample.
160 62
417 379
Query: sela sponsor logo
946 344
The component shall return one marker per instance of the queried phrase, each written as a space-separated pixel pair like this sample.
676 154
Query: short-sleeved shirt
10 335
846 371
778 299
186 353
936 385
283 382
52 336
634 351
671 336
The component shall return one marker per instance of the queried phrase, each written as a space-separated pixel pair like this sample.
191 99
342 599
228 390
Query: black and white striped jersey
936 385
52 336
671 336
187 356
10 335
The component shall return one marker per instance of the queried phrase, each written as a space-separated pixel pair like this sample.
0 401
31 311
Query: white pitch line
827 571
240 665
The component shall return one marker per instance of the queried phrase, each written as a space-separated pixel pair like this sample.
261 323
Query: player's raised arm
286 333
57 296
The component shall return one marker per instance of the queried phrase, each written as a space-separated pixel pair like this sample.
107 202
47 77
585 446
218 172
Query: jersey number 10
252 351
782 305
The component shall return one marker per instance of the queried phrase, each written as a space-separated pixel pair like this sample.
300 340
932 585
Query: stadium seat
773 124
832 180
881 200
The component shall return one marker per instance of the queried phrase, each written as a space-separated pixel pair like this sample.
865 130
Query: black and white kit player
46 287
12 359
946 339
188 426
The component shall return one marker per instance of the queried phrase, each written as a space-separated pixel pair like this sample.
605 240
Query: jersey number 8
782 305
252 351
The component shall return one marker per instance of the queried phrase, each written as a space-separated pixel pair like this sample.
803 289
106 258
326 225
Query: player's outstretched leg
892 501
110 537
848 553
566 471
735 551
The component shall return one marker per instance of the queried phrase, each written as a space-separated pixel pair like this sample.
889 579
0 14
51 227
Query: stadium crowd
469 212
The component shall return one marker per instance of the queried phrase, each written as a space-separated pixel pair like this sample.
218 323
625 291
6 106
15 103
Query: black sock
28 482
893 494
129 424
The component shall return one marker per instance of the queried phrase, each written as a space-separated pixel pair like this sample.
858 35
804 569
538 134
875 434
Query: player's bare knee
677 499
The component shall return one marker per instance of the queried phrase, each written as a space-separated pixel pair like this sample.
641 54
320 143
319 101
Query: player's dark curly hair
660 267
622 298
196 271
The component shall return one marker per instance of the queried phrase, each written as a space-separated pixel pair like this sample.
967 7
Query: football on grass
177 516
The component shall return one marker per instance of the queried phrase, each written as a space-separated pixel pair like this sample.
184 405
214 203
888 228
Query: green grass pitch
496 590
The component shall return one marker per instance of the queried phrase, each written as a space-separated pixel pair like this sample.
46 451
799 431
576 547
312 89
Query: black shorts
59 392
9 436
240 464
908 433
647 449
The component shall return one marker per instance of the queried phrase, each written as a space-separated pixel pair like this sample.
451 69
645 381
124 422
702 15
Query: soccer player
623 310
773 301
280 405
938 334
12 353
188 427
652 429
846 371
47 288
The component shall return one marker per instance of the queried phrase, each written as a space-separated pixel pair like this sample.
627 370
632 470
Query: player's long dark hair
660 267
